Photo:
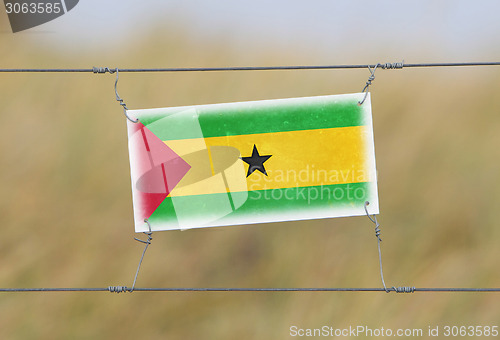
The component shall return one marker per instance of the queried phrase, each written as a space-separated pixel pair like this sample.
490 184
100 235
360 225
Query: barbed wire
398 65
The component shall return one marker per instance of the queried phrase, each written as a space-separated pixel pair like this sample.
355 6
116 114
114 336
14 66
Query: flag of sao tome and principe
252 162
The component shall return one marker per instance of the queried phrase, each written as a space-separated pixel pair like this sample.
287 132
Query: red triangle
158 169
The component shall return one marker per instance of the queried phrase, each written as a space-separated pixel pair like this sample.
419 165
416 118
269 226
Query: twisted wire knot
369 81
392 66
118 289
403 289
148 241
374 220
385 66
103 70
378 232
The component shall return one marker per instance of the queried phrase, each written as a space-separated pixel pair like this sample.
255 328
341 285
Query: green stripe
267 202
255 117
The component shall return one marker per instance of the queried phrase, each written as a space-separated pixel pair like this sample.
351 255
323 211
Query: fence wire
123 289
397 65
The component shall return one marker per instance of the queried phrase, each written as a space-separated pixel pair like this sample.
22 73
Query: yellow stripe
299 158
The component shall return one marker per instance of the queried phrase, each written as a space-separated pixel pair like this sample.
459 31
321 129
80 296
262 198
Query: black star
256 162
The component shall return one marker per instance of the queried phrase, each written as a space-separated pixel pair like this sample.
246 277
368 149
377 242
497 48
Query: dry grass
66 213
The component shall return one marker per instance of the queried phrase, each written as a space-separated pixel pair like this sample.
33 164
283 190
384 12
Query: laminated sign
252 162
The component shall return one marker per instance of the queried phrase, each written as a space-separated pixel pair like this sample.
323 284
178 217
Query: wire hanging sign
228 162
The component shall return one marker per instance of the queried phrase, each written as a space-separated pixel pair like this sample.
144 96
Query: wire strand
147 243
248 68
173 289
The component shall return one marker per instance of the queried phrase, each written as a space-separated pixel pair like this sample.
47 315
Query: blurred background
66 206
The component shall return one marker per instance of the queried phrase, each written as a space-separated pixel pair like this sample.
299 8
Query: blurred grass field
66 208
